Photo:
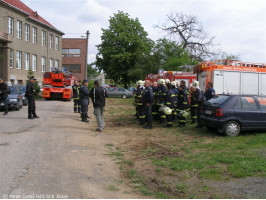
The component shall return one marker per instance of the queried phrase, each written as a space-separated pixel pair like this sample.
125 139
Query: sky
239 26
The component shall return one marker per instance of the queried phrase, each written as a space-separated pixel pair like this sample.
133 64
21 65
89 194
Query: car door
120 92
111 92
262 104
248 112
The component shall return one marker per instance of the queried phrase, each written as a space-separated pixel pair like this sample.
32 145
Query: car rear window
13 90
262 101
218 99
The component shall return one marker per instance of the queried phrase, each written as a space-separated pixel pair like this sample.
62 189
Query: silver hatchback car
118 92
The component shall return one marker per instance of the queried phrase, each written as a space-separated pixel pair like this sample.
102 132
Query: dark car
231 114
22 89
14 99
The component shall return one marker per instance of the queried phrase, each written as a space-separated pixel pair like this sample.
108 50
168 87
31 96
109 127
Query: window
71 52
51 64
262 101
56 64
10 26
27 61
19 55
56 43
43 64
247 103
19 29
27 32
51 41
11 58
73 68
34 63
34 35
43 38
121 90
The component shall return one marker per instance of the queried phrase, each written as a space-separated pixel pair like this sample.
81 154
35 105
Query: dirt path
58 156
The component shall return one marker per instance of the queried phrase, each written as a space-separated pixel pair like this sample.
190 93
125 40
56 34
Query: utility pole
86 57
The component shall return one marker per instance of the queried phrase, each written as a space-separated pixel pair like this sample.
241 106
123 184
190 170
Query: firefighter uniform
169 102
196 104
155 106
75 89
174 114
84 102
140 106
182 104
161 97
147 99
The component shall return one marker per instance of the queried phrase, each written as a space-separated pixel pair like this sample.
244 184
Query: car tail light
19 96
219 112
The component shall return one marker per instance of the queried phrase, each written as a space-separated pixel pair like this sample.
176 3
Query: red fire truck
188 77
57 85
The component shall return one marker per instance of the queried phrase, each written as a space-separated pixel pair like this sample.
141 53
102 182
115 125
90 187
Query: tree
170 55
91 69
190 33
124 49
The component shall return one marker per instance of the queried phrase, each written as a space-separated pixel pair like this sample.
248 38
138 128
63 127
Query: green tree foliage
168 55
92 69
124 49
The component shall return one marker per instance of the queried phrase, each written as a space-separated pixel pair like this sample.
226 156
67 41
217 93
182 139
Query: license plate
208 112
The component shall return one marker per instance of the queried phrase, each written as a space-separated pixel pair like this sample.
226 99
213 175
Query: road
56 156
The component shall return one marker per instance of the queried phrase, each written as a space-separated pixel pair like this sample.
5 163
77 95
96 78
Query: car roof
242 95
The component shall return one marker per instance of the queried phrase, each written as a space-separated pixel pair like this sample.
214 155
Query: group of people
169 102
81 95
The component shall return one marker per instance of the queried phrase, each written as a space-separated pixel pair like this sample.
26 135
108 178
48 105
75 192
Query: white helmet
139 82
173 83
142 83
162 82
195 83
184 114
167 111
167 81
159 81
177 82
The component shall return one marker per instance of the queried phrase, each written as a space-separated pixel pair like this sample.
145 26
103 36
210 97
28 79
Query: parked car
22 89
14 99
118 92
231 114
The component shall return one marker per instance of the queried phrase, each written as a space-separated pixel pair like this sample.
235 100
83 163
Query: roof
33 15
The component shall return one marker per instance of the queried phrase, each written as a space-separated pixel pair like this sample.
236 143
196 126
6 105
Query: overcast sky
238 25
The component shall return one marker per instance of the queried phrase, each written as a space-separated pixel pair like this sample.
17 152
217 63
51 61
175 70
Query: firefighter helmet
184 114
167 111
142 83
162 82
173 83
139 82
177 82
159 81
161 109
167 81
195 83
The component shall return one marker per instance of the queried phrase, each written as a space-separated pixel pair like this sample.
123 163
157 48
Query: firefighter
84 100
3 95
161 99
155 107
147 100
140 106
210 92
174 88
183 85
182 105
30 94
196 101
169 102
75 89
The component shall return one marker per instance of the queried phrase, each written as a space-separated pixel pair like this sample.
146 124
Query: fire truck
232 77
188 77
57 85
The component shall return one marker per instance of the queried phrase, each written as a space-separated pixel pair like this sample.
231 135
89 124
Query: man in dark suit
3 95
30 94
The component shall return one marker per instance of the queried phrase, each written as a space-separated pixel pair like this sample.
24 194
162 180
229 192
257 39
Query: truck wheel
124 96
232 129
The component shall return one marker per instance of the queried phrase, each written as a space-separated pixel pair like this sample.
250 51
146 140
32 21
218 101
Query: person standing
197 101
97 95
182 105
84 100
3 95
75 89
210 92
30 94
147 98
169 102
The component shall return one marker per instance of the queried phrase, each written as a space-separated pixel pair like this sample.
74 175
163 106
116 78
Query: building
74 56
27 41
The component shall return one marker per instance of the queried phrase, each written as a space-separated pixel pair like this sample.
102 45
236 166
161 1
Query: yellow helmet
184 114
167 111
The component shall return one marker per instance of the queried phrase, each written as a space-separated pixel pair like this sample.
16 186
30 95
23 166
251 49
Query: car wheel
124 96
232 129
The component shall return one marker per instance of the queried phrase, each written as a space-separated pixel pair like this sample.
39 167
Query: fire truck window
73 68
262 101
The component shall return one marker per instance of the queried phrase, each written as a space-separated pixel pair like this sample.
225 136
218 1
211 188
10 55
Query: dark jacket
209 94
147 96
182 102
4 90
75 89
97 96
84 94
197 98
162 94
170 98
30 91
